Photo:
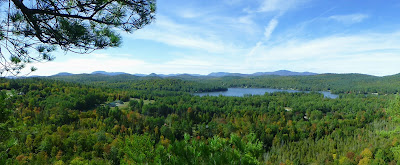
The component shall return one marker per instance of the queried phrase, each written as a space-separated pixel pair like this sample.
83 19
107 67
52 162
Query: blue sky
247 36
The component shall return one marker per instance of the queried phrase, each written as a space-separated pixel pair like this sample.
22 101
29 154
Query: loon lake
240 92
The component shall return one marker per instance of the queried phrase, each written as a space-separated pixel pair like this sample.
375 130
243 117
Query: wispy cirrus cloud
373 53
280 6
168 32
210 33
270 28
190 14
277 8
245 36
370 53
350 18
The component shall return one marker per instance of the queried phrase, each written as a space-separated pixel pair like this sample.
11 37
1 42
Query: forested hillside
158 121
149 83
336 83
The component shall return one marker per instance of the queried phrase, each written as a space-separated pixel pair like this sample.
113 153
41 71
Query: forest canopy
104 120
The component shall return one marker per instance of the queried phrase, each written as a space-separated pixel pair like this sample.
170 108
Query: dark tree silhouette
82 26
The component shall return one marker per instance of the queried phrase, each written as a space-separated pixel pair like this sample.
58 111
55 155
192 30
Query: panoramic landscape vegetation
128 119
161 97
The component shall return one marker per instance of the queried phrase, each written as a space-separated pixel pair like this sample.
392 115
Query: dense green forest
148 83
336 83
68 120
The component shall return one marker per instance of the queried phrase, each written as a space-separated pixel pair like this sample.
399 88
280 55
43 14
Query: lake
240 92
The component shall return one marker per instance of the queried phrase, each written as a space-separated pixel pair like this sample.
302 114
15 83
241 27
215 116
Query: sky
248 36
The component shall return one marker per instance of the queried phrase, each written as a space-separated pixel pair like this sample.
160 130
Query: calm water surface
240 92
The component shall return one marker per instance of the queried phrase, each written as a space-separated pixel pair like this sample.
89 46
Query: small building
112 104
115 103
288 108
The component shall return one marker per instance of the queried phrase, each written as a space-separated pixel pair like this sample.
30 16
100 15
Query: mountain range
213 74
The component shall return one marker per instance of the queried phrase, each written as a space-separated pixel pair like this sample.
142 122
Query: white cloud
280 6
370 53
349 19
87 65
217 42
168 32
270 28
194 42
243 26
122 63
246 20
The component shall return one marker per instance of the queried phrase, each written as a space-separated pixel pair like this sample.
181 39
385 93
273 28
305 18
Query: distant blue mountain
152 75
223 74
63 74
12 77
140 75
284 73
277 73
214 74
108 73
168 75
